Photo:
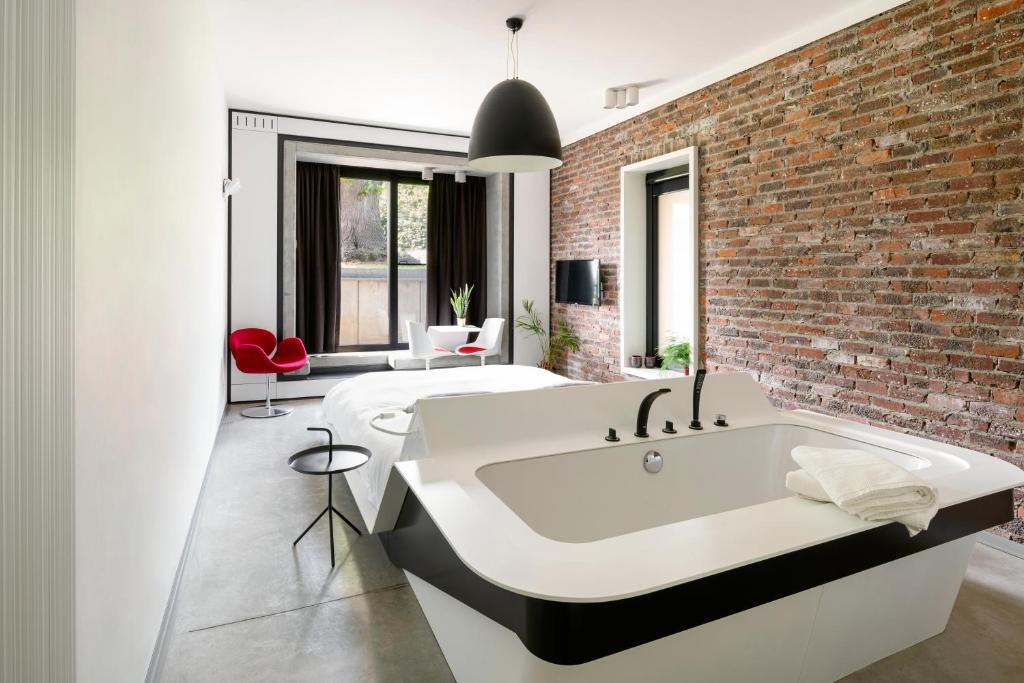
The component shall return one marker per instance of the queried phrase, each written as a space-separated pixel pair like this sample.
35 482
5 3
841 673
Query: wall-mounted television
578 282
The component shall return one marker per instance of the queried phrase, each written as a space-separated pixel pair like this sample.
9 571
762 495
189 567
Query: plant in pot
551 345
460 303
675 355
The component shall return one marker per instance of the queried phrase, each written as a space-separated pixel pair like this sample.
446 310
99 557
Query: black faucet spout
645 411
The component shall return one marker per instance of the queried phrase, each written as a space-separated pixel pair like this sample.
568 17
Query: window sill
650 373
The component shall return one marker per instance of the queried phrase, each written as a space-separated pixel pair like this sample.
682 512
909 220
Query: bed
351 406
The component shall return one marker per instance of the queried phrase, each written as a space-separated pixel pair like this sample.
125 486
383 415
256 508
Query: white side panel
878 612
531 257
253 238
37 328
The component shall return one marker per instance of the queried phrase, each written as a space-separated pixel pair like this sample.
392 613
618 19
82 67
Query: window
383 224
670 256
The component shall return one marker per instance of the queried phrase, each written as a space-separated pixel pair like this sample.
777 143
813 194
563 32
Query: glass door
412 255
383 234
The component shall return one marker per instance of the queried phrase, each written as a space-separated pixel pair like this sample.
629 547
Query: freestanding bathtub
541 552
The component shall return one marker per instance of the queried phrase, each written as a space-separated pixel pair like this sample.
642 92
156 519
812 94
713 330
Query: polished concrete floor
250 608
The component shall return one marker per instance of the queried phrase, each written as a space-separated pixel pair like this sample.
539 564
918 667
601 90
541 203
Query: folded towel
804 485
864 485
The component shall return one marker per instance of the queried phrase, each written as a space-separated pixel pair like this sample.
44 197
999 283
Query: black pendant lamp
514 130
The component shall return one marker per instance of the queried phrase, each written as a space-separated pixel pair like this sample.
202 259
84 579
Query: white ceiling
428 63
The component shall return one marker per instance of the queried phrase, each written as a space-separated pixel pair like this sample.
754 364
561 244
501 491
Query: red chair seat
467 349
251 348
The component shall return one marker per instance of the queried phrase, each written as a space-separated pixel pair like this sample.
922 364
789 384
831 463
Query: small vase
636 361
686 371
461 322
650 361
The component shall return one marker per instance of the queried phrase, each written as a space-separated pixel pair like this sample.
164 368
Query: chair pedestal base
264 411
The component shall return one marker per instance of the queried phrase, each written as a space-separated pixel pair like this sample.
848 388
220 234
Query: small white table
450 337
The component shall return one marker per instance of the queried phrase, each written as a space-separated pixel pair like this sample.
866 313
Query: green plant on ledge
675 355
460 302
564 339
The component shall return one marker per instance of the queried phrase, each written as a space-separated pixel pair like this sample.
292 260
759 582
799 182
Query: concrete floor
250 608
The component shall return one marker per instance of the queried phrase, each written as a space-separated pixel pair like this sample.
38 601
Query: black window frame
393 177
658 183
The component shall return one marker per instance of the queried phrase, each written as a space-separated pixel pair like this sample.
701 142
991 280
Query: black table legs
330 511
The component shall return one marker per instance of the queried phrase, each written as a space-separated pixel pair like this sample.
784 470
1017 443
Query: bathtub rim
470 517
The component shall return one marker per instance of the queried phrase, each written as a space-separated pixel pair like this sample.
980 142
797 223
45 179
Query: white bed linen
350 405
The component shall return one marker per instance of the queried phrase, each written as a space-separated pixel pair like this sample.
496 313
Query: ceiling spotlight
428 174
620 98
460 176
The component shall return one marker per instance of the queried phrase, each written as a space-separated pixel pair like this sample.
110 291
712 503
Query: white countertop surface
464 434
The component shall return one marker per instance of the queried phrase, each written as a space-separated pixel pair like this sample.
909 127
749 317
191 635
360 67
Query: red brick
974 152
993 11
874 157
1001 350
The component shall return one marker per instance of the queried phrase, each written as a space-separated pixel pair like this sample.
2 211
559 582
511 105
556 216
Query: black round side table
329 460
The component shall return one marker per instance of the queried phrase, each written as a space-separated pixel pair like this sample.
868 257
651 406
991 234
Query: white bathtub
541 552
595 494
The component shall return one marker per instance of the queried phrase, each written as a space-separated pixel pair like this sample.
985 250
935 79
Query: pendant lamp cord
513 54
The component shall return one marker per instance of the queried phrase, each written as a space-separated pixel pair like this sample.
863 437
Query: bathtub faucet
645 410
698 382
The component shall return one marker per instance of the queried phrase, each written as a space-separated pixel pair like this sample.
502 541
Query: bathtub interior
587 496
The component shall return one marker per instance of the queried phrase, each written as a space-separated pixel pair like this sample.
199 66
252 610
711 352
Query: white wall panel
532 257
37 152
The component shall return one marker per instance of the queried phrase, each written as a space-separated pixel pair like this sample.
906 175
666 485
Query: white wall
37 125
151 276
531 257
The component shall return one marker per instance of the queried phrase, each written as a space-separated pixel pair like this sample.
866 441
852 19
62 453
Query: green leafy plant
675 354
551 345
460 301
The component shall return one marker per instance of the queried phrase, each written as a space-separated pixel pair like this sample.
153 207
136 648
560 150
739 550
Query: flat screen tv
578 282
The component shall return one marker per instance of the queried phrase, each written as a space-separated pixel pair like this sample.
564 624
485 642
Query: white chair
487 343
420 345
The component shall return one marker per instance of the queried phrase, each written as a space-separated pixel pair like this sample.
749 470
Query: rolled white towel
864 485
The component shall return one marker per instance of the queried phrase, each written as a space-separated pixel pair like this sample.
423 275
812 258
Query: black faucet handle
669 427
698 384
612 436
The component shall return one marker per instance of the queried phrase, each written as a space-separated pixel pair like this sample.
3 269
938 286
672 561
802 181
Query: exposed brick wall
861 223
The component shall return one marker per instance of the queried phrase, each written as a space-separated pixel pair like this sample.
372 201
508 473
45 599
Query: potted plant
675 355
460 303
563 339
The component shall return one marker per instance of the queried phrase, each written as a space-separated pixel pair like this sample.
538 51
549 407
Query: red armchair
252 347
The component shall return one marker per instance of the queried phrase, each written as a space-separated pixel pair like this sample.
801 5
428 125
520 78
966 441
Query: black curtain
317 256
456 246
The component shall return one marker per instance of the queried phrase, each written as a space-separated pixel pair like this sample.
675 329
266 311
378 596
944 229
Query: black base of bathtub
574 632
